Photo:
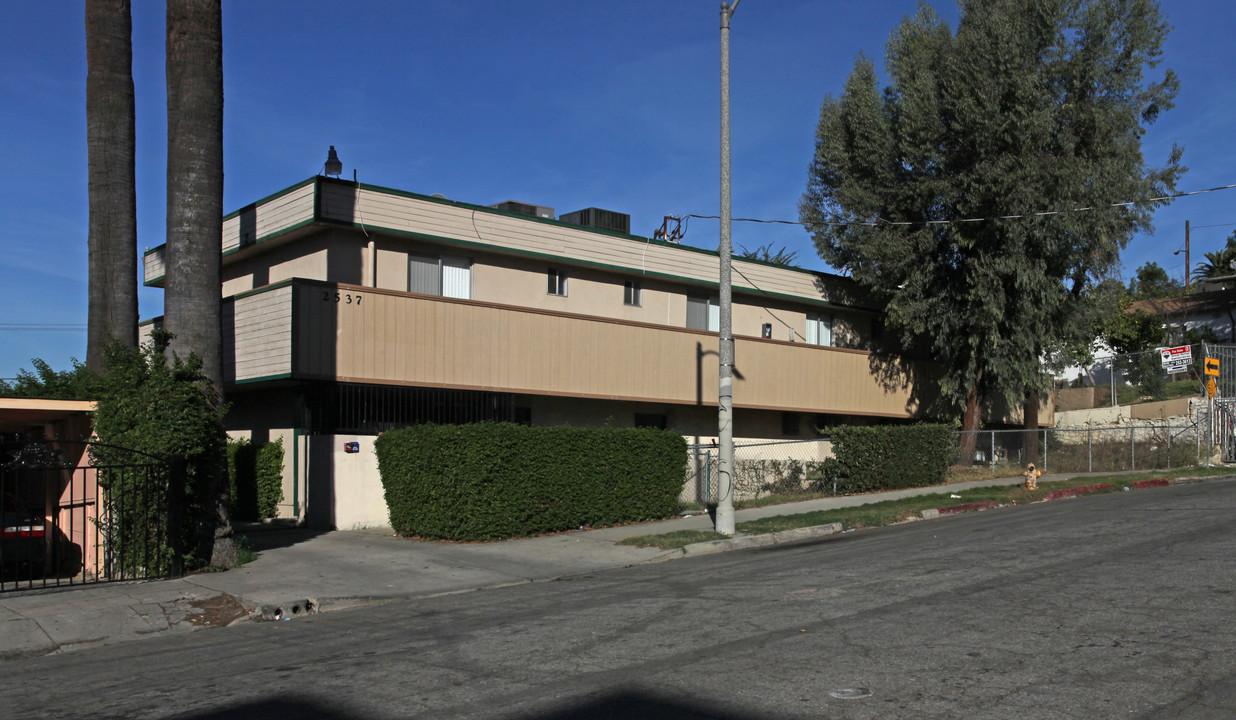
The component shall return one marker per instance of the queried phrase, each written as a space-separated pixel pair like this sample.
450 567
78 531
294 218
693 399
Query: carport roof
17 414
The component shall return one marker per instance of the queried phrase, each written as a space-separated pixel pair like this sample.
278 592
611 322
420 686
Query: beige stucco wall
513 280
345 256
359 501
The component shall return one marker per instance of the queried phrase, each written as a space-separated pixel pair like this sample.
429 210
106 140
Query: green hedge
889 457
256 476
490 481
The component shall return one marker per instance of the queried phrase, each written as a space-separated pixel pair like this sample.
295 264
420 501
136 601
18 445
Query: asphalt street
1098 607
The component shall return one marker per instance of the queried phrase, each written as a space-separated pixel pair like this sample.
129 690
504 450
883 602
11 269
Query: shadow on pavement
262 538
618 706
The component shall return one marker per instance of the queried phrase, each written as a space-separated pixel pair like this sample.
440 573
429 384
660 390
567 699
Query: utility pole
1188 266
725 397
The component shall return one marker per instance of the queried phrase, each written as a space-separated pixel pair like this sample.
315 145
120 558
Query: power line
1046 213
40 327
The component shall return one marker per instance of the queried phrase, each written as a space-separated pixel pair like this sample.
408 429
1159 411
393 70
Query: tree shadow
895 369
262 538
622 705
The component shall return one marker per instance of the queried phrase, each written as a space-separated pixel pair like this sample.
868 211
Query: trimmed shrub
889 457
241 465
256 476
269 477
490 481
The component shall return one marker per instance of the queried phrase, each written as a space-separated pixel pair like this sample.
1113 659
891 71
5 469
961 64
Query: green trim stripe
264 378
506 250
320 181
268 198
259 291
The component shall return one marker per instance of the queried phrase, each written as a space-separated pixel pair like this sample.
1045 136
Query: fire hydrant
1032 477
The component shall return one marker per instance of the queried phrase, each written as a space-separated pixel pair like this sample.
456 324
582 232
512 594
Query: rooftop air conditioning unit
520 208
600 219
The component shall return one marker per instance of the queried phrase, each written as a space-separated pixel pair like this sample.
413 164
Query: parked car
24 544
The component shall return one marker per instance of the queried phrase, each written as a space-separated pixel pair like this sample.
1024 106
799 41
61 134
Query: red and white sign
1177 359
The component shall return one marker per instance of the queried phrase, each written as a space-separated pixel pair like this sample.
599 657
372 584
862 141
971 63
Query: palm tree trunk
110 143
195 216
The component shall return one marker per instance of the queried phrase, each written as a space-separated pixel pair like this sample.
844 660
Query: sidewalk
302 571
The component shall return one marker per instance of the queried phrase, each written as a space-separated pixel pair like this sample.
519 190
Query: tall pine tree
1030 106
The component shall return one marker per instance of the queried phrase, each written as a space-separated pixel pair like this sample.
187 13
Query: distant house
1214 310
350 309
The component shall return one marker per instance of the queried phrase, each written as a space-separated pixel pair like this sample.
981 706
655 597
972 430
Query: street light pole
725 397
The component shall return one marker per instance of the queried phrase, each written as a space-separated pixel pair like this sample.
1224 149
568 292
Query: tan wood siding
154 265
377 209
272 216
377 336
257 335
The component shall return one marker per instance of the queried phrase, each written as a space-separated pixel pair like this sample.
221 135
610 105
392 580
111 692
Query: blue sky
562 103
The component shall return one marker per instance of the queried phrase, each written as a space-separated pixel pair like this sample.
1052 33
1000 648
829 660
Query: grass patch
674 540
888 512
1126 478
766 500
244 555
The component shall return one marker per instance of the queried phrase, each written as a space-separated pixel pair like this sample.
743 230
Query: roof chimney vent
599 219
333 165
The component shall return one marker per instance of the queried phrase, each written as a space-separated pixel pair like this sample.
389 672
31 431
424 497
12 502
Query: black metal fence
66 522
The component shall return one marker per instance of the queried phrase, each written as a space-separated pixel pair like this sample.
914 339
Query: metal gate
1222 405
70 520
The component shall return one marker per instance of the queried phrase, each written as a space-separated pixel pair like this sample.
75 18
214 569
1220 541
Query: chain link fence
1128 378
790 468
1108 449
1163 421
794 469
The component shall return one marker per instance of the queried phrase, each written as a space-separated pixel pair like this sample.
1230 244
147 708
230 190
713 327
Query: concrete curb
285 610
964 507
65 619
1061 494
738 543
1077 491
750 541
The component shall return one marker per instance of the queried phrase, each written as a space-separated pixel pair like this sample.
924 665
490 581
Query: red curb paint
1157 482
967 507
1073 492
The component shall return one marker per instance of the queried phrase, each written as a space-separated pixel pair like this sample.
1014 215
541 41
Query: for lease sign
1176 359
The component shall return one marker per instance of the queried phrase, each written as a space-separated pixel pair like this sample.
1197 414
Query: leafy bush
270 478
76 384
255 473
159 409
755 478
490 481
889 457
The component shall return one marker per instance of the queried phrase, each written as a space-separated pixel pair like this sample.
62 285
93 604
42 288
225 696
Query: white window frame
633 293
712 315
820 329
452 277
556 282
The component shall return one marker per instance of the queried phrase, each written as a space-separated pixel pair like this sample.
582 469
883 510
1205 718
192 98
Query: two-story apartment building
350 309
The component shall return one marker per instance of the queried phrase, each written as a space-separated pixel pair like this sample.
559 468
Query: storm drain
289 610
